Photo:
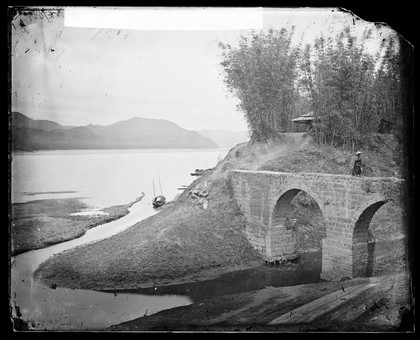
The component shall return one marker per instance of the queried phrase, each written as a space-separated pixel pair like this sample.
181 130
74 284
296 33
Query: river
104 178
101 178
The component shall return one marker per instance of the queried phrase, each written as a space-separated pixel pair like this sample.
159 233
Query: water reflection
103 178
62 308
306 271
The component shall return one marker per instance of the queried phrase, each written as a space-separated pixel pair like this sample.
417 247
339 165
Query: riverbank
381 308
201 235
42 223
182 242
189 240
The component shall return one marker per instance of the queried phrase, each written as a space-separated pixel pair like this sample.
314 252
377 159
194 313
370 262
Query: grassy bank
186 242
182 242
41 223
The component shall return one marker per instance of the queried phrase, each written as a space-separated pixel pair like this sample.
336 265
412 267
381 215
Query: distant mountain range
136 133
19 120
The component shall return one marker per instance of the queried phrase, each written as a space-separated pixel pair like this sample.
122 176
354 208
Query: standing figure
357 168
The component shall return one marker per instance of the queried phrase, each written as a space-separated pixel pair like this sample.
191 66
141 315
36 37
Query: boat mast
154 195
160 185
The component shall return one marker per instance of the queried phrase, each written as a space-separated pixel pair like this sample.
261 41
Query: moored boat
159 201
198 172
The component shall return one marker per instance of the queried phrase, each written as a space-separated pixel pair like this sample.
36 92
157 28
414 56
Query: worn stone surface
347 204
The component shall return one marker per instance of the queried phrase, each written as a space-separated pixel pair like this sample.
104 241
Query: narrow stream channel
66 309
76 309
45 308
306 271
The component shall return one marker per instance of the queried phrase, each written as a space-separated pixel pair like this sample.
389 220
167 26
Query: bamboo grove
348 90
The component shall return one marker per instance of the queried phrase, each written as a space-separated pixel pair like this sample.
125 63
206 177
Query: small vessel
198 172
159 200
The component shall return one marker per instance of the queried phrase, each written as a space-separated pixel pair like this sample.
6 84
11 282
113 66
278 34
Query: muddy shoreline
33 227
230 303
377 310
218 282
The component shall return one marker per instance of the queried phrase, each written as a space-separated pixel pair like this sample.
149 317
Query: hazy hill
225 138
21 121
30 134
28 139
157 133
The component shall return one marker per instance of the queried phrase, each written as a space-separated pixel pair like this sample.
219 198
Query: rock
205 204
198 194
194 192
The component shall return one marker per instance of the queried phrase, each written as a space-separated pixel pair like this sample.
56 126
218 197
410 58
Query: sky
100 66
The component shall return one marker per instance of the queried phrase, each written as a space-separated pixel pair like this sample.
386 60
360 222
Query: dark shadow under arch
299 212
363 248
282 208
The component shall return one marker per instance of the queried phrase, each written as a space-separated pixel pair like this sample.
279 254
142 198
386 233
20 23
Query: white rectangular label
165 18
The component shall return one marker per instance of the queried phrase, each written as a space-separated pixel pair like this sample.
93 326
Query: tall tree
348 89
388 83
261 72
345 88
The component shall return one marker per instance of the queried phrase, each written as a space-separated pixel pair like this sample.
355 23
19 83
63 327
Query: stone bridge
347 204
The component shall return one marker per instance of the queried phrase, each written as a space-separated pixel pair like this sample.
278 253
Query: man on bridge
357 168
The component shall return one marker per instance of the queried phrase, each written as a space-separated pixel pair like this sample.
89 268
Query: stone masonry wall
343 199
283 244
251 197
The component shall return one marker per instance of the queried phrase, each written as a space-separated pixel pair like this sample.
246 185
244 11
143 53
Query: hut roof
304 118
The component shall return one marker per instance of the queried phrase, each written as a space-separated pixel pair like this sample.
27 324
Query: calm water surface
101 178
104 178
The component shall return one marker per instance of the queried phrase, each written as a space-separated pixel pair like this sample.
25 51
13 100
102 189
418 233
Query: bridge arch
283 234
283 199
363 243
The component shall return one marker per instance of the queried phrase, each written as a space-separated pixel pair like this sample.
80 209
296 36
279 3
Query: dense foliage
350 91
262 72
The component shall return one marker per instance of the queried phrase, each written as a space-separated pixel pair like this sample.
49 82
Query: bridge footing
328 277
276 261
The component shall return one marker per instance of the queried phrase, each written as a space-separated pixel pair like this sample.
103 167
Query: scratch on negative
97 34
60 54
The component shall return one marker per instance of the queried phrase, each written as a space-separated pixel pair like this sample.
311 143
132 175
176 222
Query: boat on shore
159 200
198 172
